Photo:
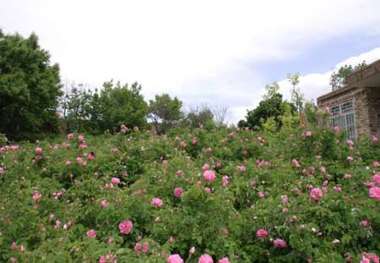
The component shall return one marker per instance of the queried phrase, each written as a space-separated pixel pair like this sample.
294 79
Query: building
355 107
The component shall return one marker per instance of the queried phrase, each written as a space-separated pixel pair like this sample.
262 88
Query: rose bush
199 195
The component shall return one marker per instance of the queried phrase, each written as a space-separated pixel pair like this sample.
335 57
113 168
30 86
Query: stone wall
359 96
374 110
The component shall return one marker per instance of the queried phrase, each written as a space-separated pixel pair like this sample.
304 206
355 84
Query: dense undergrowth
233 195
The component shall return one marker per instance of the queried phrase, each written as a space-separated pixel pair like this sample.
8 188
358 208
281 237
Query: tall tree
338 78
29 87
164 112
297 98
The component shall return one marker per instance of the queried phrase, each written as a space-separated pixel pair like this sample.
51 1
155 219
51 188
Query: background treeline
33 104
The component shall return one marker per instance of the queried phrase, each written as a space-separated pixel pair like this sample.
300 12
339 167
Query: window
343 116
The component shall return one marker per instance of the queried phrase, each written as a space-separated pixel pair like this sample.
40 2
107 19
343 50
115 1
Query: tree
199 116
118 104
338 79
29 88
272 106
78 110
297 98
165 112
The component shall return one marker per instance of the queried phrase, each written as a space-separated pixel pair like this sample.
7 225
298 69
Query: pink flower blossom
242 168
91 156
316 194
279 243
104 203
178 191
374 193
205 258
261 194
350 158
364 223
125 227
376 178
307 134
205 167
36 196
83 146
337 188
174 259
38 151
375 139
91 233
225 181
262 233
224 260
207 189
138 247
109 258
115 181
370 258
145 247
157 202
179 173
295 163
81 138
209 175
70 136
284 199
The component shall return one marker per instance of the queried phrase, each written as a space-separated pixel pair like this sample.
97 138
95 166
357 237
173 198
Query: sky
219 53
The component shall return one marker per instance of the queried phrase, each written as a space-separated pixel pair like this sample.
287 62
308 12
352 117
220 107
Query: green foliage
338 79
165 112
213 217
29 88
272 107
199 117
121 105
297 98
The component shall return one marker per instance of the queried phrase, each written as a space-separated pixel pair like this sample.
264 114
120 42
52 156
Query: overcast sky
217 52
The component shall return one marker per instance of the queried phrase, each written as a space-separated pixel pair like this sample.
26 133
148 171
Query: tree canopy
29 87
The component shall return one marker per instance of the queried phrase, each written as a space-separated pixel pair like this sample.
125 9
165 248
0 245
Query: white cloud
194 49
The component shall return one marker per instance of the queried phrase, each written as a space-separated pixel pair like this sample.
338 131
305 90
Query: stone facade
363 90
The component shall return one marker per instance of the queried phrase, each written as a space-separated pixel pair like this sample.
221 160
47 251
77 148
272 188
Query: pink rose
179 173
91 233
205 167
284 199
262 233
115 181
225 181
178 191
157 202
376 178
375 139
145 247
209 175
38 151
174 259
36 196
279 243
109 258
369 257
374 193
125 227
307 134
295 163
224 260
138 248
205 258
337 188
316 194
91 156
261 194
70 136
104 203
242 168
